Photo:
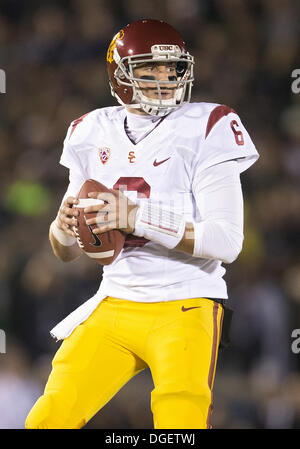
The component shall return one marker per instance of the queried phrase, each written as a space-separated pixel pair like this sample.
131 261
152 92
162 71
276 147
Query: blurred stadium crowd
54 54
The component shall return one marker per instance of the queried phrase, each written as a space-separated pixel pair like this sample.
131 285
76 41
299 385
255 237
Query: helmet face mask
166 47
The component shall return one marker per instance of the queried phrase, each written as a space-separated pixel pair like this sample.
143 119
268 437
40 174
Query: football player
174 169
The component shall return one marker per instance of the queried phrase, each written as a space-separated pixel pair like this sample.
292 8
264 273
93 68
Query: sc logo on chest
131 157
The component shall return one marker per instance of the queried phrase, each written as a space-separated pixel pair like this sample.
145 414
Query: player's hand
67 214
117 212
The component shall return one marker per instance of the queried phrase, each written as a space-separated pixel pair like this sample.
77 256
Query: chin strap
156 110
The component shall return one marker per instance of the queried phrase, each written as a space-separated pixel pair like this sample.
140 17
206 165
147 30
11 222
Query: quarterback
173 167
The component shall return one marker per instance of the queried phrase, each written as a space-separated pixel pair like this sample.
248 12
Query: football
103 248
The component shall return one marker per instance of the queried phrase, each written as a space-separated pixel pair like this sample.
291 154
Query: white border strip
102 255
85 202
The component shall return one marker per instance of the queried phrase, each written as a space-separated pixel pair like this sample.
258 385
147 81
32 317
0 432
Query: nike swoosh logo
155 163
185 309
97 241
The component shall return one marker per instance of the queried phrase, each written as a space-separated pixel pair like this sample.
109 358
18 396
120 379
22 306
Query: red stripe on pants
213 359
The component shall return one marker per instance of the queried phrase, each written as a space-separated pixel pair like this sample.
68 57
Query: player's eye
171 68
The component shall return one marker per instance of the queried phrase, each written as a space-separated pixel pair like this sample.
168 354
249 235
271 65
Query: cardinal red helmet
148 41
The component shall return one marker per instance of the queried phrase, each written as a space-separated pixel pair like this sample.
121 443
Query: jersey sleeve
226 139
70 160
68 157
75 183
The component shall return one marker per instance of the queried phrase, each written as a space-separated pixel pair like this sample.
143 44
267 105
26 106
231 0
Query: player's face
157 71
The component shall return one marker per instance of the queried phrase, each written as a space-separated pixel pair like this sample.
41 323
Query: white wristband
198 239
61 236
159 224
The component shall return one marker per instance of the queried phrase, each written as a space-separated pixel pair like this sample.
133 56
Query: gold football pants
177 340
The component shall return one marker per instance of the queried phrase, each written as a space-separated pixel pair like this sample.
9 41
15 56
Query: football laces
78 237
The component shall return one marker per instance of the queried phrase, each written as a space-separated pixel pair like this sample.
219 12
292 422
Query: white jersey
162 166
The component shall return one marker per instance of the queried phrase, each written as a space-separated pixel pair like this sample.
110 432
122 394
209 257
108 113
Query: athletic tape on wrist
61 236
198 239
159 224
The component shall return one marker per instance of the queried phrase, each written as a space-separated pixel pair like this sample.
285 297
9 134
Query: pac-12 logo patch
104 154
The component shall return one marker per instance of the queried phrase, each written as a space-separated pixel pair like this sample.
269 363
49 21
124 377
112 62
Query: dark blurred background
54 54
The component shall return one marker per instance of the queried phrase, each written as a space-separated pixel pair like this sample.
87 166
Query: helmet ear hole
181 68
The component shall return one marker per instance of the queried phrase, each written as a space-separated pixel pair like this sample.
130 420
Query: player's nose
162 73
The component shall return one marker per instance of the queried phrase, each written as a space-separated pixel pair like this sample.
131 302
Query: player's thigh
87 371
183 362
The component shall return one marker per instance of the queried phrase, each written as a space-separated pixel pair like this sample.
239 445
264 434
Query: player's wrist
60 235
159 224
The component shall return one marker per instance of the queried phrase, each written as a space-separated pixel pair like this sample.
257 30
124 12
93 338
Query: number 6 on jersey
238 135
